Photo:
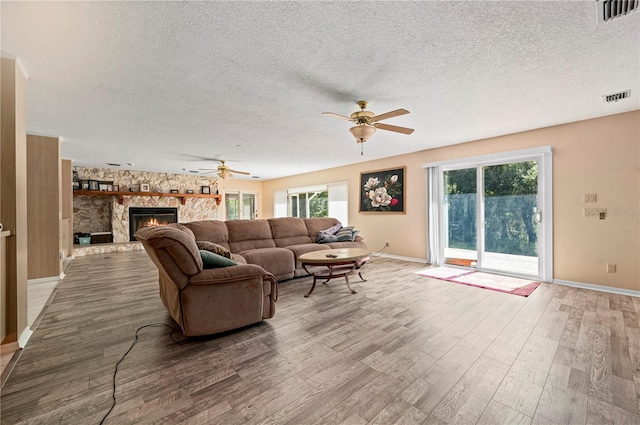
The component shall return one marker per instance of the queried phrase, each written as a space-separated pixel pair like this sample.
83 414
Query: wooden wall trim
43 201
13 195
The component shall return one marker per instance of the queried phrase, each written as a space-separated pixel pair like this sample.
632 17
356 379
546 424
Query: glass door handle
538 217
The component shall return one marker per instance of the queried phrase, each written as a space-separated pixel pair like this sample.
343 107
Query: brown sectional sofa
207 301
273 244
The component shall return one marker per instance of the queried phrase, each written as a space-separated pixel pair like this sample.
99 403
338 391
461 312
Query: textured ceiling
174 85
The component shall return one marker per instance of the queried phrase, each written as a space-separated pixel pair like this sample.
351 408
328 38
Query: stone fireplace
111 214
140 217
105 214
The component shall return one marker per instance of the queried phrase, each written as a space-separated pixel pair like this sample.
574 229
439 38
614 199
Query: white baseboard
399 257
24 337
593 287
43 280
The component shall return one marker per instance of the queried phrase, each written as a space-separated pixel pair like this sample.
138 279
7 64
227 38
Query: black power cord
133 344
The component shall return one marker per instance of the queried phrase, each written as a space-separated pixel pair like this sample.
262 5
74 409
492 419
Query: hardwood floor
405 349
38 296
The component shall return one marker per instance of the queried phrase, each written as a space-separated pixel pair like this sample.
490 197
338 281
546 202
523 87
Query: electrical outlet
386 244
590 197
595 212
611 268
590 212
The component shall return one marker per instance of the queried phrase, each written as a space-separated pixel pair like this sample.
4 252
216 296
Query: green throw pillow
212 261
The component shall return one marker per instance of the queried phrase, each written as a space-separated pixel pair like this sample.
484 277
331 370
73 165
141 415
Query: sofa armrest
227 274
274 285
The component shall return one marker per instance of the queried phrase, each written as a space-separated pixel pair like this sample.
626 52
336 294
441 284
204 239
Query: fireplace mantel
182 196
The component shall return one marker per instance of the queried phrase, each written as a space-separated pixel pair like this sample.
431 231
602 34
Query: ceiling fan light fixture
362 132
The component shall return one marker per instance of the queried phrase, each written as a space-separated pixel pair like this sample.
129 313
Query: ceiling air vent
614 97
610 9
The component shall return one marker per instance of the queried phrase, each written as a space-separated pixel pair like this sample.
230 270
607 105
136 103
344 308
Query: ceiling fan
366 122
222 170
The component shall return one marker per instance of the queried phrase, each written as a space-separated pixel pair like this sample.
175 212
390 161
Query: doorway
493 213
240 205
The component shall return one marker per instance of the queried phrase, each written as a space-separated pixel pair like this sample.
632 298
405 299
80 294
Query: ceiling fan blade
331 114
240 172
207 169
391 114
403 130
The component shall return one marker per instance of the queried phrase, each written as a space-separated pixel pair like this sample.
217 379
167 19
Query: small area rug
506 284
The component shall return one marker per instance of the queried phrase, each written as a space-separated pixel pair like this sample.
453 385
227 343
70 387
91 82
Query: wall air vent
614 97
610 9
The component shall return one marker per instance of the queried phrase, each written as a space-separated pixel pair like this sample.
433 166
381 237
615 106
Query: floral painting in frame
383 191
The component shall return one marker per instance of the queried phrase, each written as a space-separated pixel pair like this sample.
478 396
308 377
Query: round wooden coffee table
338 262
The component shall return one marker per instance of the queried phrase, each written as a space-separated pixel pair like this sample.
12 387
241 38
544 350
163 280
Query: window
231 206
309 205
240 205
329 200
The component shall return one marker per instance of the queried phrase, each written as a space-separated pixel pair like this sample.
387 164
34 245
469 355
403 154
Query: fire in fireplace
140 217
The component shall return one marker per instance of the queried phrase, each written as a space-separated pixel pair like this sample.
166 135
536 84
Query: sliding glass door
460 217
510 217
490 214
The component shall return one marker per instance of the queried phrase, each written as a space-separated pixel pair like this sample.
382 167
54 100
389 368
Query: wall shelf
182 196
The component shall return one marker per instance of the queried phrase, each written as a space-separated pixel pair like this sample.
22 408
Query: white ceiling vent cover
610 9
614 97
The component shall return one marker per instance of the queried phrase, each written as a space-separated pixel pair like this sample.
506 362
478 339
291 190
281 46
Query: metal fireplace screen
140 217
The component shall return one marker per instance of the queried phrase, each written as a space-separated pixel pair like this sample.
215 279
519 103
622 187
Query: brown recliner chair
206 301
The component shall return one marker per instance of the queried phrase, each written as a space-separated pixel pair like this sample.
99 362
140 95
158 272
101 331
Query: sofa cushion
245 235
238 258
213 261
289 231
354 244
183 228
316 225
278 261
298 250
213 247
210 230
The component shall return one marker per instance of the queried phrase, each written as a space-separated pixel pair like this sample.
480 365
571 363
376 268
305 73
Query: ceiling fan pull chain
361 149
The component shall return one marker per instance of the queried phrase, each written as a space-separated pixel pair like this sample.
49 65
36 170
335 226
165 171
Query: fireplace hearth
140 217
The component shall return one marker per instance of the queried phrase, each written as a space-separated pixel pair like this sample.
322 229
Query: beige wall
599 156
406 233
